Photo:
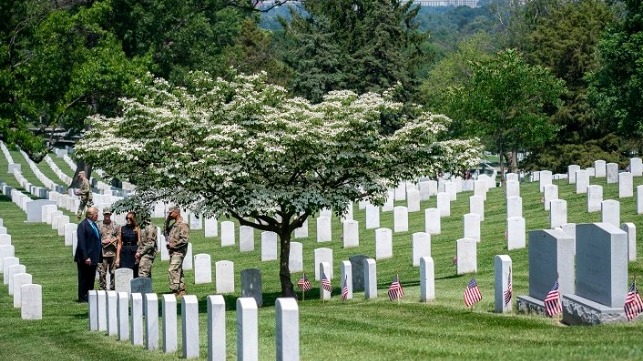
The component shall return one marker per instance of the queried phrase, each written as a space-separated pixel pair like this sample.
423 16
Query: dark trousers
86 278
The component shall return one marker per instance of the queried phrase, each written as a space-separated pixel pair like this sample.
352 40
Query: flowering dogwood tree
244 148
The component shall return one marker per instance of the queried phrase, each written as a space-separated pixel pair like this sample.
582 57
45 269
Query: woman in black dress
128 244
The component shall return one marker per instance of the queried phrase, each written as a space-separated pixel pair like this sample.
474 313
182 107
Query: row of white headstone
26 295
110 312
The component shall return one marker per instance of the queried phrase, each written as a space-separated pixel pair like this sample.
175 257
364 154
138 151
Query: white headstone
400 219
346 273
370 279
246 239
594 198
225 276
372 216
545 179
571 173
472 226
70 231
582 181
636 167
31 302
92 296
136 325
350 234
611 212
557 213
13 270
196 222
512 188
268 246
630 229
444 204
476 206
427 279
216 328
123 316
188 260
383 243
323 255
600 168
389 203
6 251
211 228
296 259
202 268
612 173
302 232
423 188
466 255
516 233
421 246
228 235
6 263
480 188
19 279
190 326
503 276
550 193
247 329
324 229
432 221
122 278
449 187
169 308
413 200
287 329
102 310
400 192
625 185
639 201
514 207
151 321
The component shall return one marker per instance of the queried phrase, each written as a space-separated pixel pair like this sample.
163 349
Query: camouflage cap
174 208
107 210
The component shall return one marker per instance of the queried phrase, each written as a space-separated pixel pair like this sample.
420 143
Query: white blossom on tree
245 148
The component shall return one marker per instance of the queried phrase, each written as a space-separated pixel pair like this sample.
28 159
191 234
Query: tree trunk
514 161
287 289
80 166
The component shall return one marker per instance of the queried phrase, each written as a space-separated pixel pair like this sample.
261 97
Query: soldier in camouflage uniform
146 247
85 193
108 232
177 234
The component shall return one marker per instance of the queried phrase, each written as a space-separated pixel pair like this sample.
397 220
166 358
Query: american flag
509 291
303 283
633 305
552 302
472 293
345 289
325 282
395 291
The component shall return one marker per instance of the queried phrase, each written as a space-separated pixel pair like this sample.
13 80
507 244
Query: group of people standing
106 246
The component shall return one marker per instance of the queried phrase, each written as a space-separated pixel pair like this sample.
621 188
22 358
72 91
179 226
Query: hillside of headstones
590 261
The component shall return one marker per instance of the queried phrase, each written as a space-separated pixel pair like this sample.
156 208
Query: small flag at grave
455 260
303 283
395 292
552 302
633 305
325 282
345 289
508 291
472 293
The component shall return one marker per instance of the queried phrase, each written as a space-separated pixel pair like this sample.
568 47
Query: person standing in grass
88 253
177 233
85 194
127 244
146 247
109 237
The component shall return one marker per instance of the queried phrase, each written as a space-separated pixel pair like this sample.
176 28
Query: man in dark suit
88 253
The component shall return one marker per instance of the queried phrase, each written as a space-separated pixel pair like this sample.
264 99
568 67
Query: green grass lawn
355 330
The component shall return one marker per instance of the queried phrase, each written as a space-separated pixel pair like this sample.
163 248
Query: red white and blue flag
552 302
472 293
633 305
508 291
325 283
395 291
345 289
303 283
